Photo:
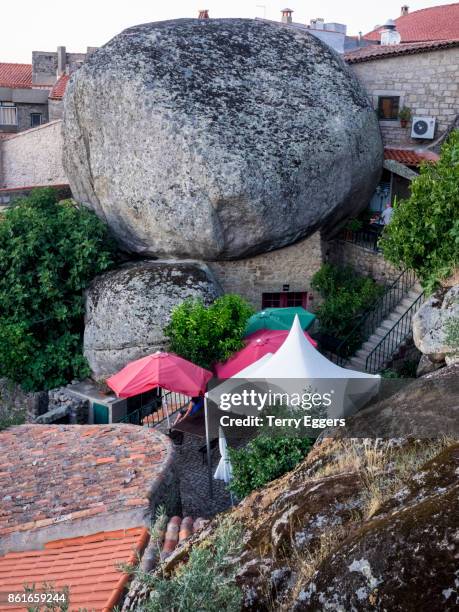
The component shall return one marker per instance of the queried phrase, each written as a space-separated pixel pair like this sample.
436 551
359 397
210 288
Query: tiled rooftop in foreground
89 566
60 474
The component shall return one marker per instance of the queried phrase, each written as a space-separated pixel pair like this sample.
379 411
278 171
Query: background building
31 94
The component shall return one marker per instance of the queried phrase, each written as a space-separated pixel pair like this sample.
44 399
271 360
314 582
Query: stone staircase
359 360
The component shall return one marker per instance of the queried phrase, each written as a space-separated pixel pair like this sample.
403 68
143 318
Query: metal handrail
376 313
385 349
153 414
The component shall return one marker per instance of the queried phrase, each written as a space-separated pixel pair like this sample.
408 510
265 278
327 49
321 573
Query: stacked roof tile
58 91
16 76
68 472
408 157
88 566
434 23
372 52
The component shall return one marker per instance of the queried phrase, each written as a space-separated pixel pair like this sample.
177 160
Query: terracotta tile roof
375 52
409 157
434 23
70 472
58 91
88 566
16 76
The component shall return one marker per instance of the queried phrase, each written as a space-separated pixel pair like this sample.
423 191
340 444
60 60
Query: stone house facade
421 76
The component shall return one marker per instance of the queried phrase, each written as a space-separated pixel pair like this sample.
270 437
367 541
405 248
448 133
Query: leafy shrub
346 296
264 459
423 234
49 252
206 582
208 334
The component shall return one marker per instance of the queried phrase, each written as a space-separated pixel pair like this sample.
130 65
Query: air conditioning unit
423 127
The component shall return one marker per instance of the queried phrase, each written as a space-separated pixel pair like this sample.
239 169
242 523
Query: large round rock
217 139
128 308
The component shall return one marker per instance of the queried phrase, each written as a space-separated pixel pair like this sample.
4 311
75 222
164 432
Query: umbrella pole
209 458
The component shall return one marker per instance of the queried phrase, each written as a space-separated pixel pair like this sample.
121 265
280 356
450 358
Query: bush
206 582
49 252
208 334
347 295
423 234
264 459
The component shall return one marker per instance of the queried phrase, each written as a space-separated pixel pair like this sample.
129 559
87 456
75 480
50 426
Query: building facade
31 94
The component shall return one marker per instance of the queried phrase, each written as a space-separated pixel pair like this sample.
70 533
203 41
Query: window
35 119
8 113
388 107
284 299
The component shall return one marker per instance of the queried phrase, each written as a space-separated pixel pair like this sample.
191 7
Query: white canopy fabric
224 470
297 367
230 384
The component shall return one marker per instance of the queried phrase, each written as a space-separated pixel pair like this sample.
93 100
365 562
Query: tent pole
209 458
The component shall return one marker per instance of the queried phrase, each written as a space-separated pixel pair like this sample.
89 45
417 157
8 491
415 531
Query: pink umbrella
258 345
164 370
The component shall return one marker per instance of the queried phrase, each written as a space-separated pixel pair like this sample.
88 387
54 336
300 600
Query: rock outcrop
218 139
361 524
128 308
436 326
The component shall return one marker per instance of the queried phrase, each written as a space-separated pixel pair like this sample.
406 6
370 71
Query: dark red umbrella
258 344
164 370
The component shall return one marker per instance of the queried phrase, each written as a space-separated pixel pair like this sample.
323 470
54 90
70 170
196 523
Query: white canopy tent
297 368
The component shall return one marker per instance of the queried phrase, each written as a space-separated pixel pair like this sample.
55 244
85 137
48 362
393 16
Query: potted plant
404 116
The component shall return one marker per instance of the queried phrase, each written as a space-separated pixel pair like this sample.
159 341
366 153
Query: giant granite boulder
436 326
218 139
128 308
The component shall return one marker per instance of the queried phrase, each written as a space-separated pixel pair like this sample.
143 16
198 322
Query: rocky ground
361 524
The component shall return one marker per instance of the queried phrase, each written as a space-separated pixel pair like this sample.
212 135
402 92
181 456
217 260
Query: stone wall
33 157
293 265
17 405
425 82
25 110
366 261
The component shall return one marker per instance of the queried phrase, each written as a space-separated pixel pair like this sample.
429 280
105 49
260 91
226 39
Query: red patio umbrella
164 370
258 345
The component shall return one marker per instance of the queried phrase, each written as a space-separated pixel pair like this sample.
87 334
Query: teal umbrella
279 318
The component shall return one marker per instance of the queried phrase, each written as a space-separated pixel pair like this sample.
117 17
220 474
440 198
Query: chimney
404 10
389 34
61 61
204 14
287 15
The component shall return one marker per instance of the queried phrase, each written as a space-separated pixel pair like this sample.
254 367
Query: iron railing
157 411
384 351
375 315
365 238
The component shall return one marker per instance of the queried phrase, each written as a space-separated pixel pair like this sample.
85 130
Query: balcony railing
8 115
365 238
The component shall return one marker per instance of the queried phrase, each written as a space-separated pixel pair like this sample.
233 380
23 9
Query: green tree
346 296
208 334
423 234
49 252
265 458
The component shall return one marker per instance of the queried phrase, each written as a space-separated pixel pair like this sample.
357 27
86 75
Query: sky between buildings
42 26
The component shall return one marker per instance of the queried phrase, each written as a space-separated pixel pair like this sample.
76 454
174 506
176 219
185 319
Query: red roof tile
409 157
16 76
375 52
58 91
434 23
80 487
87 565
